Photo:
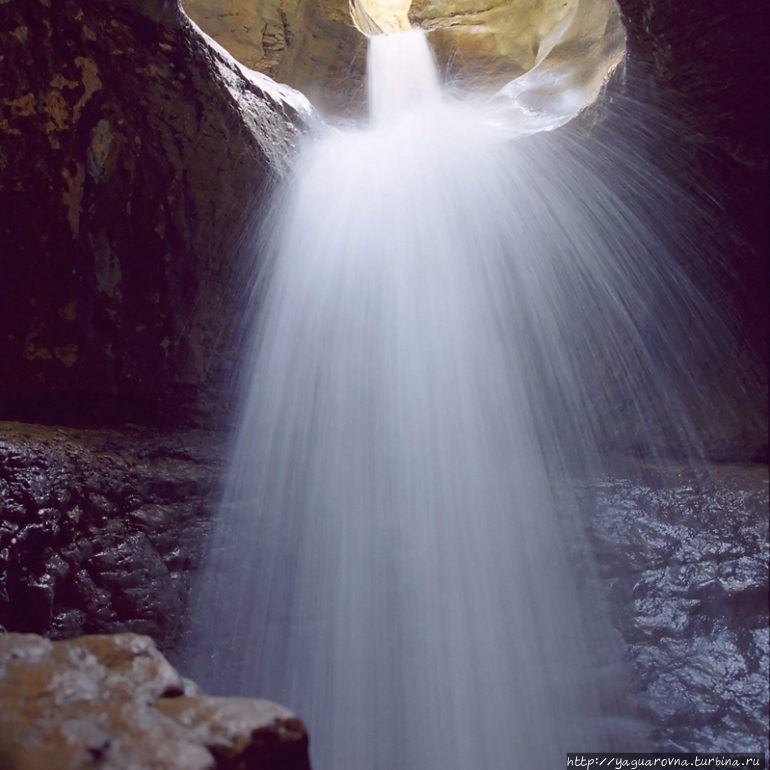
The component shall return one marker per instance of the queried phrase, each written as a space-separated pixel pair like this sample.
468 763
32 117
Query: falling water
397 557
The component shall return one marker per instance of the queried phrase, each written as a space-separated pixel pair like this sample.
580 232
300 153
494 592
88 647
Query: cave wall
704 66
310 44
131 151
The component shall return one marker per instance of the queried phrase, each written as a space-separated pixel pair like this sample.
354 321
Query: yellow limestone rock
493 41
318 46
374 17
312 45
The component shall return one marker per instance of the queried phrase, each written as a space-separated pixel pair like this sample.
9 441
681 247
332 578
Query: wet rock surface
99 529
132 153
114 702
102 529
685 560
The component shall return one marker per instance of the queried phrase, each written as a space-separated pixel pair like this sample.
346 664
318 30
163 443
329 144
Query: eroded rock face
116 703
131 154
100 530
495 42
685 559
316 47
310 44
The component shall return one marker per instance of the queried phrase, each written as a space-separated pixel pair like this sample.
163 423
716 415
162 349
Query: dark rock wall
703 65
130 153
682 133
712 54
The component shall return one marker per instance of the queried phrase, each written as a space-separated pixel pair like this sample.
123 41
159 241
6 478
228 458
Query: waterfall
397 556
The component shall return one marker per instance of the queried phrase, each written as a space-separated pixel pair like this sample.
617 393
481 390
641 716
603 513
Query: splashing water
396 557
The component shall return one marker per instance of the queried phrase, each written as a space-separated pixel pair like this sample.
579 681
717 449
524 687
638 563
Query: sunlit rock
312 45
571 47
499 40
375 17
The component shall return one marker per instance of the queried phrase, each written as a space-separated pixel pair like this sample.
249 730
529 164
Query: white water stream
396 553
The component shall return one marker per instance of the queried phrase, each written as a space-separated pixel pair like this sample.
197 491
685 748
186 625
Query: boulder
116 703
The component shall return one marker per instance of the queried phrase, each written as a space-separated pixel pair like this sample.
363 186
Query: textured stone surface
315 47
99 529
114 702
310 44
685 560
494 42
242 733
131 152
